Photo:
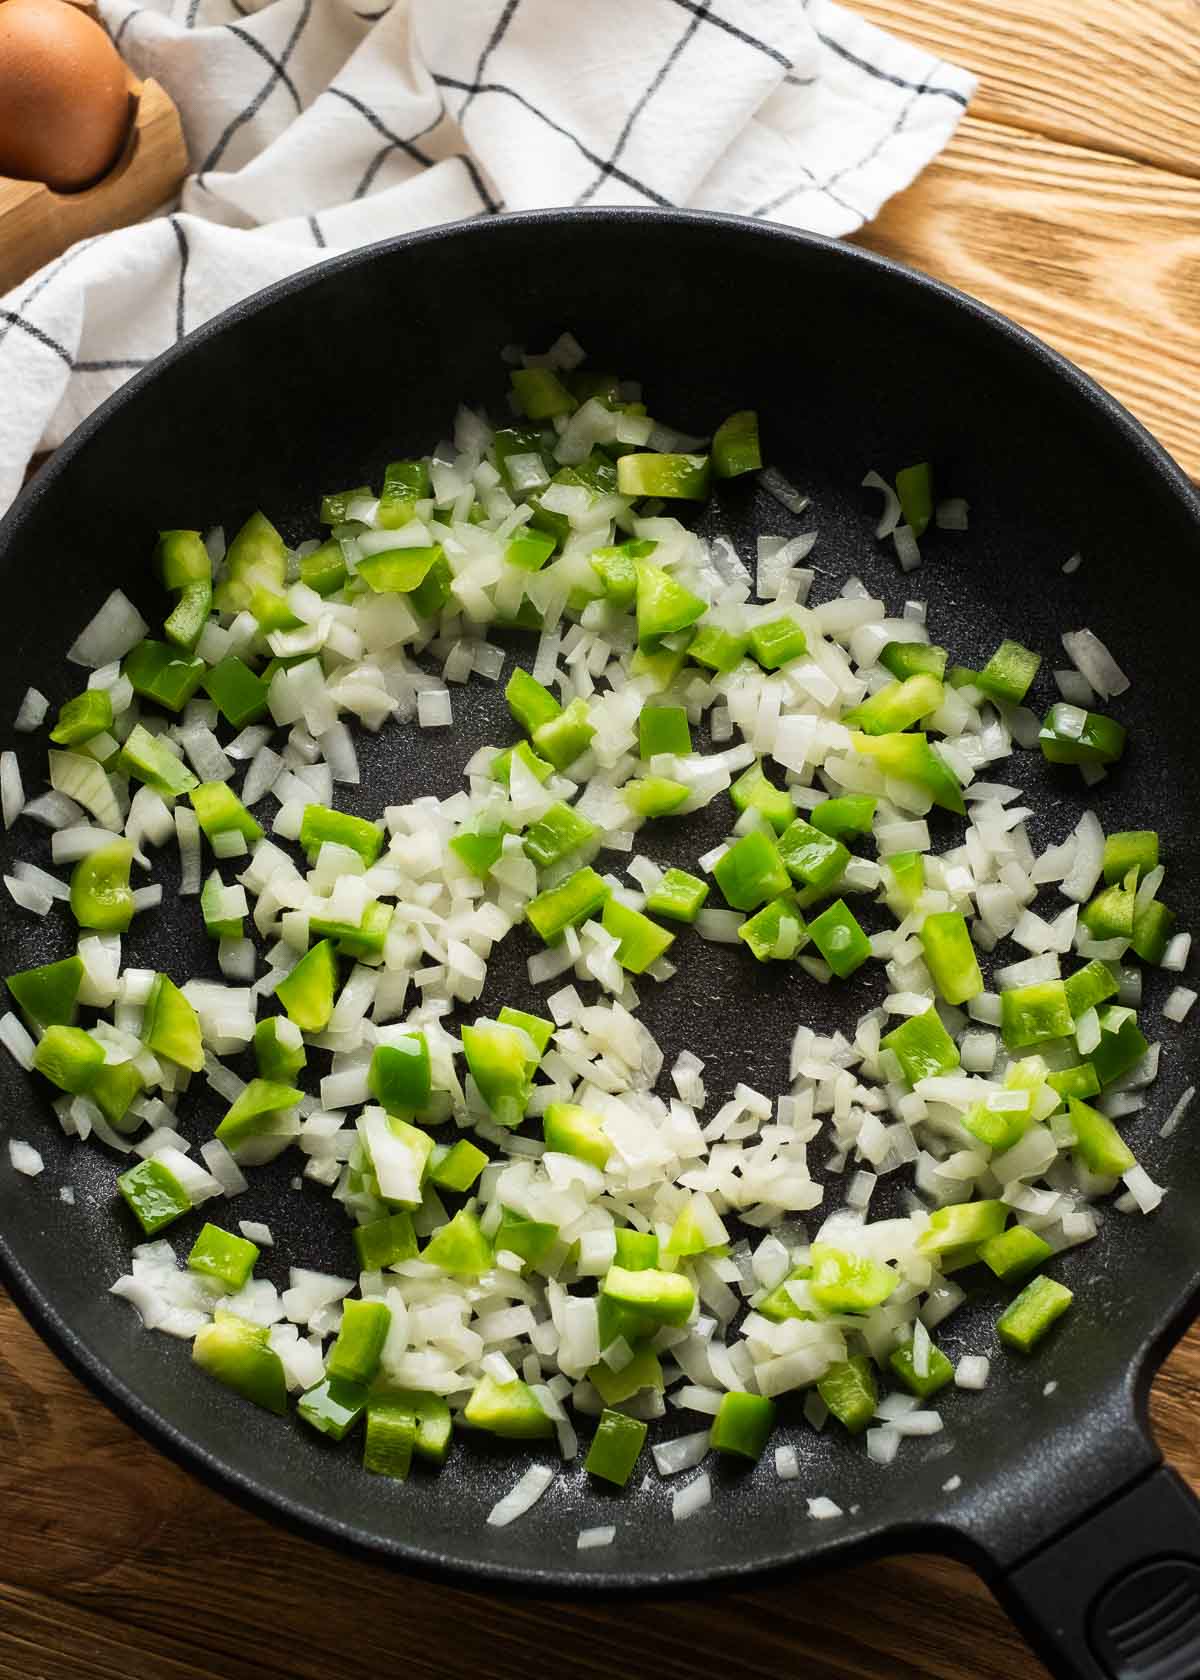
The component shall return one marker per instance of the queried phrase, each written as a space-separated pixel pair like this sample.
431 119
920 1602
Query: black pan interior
853 363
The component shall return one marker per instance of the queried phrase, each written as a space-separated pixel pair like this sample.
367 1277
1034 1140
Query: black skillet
1063 1502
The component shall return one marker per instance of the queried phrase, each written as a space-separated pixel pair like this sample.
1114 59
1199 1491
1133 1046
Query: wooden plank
115 1562
1097 255
1112 75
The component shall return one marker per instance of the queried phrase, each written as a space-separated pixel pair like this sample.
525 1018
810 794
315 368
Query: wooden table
1069 199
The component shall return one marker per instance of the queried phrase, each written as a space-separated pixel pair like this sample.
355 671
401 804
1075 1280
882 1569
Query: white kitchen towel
316 126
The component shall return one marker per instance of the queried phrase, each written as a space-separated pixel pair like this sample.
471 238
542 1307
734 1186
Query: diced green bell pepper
500 768
1135 848
636 1251
910 758
939 1373
777 1303
217 923
717 649
897 706
922 1046
1110 914
911 659
735 446
511 1410
572 901
405 483
1088 986
1098 1144
219 1254
354 1356
561 739
324 570
1015 1252
743 1425
219 811
147 759
1034 1013
668 477
753 870
183 563
754 791
678 895
256 560
398 571
906 881
840 939
914 486
279 1049
848 815
1026 1320
642 1371
557 833
253 1112
849 1392
163 674
390 1438
335 507
307 993
664 606
1078 1081
154 1195
399 1077
962 1225
841 1282
616 567
47 996
655 796
89 714
615 1447
460 1246
457 1166
480 848
1069 735
170 1026
115 1086
776 933
69 1058
541 393
656 1297
643 942
531 1239
1152 924
571 1130
777 642
811 857
385 1242
1009 673
101 896
1122 1045
529 550
333 1406
502 1067
236 1353
238 693
950 956
663 729
320 826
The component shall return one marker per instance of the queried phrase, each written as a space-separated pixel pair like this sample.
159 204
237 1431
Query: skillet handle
1118 1596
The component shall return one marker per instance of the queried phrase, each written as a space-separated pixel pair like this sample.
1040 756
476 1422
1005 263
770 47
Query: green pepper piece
307 993
664 606
511 1410
1031 1014
743 1425
668 477
335 507
914 486
213 896
257 560
636 1251
655 796
557 833
998 1129
530 702
690 1234
642 1371
253 1114
561 739
1078 1081
115 1086
1088 986
399 1077
279 1050
656 1297
170 1026
840 939
405 483
572 901
154 1195
811 857
1110 913
364 942
390 1439
1099 1145
1009 673
501 1064
480 848
538 1028
962 1225
1152 925
432 1415
1015 1253
939 1373
777 1304
83 718
719 650
663 729
615 1447
151 761
334 1406
219 811
776 933
906 878
500 768
384 1242
1069 735
186 571
849 1392
950 956
678 895
753 791
529 550
850 814
320 826
1026 1320
456 1167
735 446
531 1239
616 567
101 896
1122 1045
643 942
1135 848
571 1130
236 1353
910 758
541 393
841 1282
398 571
324 570
47 996
913 659
897 706
922 1046
69 1058
661 665
354 1356
219 1254
238 693
753 870
163 675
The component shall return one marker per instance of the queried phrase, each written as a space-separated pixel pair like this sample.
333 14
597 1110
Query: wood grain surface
1070 199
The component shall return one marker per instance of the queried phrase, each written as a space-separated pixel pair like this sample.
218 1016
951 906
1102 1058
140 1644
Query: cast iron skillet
853 362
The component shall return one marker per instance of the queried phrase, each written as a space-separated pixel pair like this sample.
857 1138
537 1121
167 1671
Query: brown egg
64 95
